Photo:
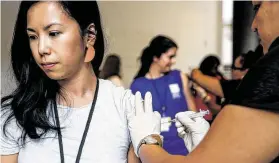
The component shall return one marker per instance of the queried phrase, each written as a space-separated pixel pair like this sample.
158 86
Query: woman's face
167 59
55 40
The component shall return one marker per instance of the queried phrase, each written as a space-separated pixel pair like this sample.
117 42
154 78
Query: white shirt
116 81
107 140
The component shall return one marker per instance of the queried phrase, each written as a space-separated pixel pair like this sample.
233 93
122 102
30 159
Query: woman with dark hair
169 88
209 66
203 99
56 48
111 70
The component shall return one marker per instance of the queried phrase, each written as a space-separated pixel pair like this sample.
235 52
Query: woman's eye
32 37
54 34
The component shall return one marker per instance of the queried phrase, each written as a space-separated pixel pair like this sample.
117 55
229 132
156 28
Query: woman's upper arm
9 138
189 97
240 134
9 158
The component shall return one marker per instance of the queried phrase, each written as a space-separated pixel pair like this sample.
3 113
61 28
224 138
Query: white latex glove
145 122
191 130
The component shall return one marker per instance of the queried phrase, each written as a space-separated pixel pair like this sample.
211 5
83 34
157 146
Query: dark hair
35 91
209 64
111 67
159 45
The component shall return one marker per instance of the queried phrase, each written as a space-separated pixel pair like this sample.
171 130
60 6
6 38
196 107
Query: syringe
201 113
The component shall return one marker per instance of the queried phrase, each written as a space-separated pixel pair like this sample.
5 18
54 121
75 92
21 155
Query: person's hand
145 122
194 73
191 130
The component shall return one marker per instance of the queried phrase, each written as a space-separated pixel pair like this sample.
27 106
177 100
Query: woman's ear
91 34
90 37
155 59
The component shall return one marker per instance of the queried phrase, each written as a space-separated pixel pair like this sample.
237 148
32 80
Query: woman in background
111 70
169 88
203 99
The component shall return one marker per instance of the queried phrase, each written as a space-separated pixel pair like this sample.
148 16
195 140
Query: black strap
85 130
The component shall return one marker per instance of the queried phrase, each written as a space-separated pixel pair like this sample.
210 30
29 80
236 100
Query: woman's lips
48 65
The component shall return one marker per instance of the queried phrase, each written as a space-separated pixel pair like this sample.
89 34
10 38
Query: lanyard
85 130
162 102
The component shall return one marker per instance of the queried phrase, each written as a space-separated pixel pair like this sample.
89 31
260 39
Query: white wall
195 26
129 26
8 16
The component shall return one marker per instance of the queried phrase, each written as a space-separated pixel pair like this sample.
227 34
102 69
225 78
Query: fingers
148 103
198 119
138 104
183 117
157 114
186 113
180 129
178 124
181 132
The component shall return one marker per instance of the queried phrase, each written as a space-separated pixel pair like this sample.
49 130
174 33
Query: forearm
241 131
156 154
209 83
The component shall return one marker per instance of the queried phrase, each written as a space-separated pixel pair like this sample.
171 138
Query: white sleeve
10 138
126 105
116 81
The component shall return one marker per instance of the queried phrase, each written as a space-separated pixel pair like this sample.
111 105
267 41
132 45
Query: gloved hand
191 130
145 122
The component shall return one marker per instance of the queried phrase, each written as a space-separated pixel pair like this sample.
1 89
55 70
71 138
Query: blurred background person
112 70
205 100
226 88
210 66
170 91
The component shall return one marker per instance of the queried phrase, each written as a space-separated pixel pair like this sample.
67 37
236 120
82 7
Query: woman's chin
55 76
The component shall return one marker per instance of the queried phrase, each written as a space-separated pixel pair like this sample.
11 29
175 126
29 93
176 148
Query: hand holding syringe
194 115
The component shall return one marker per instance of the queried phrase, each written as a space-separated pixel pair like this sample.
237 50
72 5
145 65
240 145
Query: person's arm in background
238 134
132 158
9 158
207 82
189 97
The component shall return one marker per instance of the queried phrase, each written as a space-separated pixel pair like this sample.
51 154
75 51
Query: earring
90 53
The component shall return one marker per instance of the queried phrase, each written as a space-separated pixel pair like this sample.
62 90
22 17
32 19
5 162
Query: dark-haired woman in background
169 88
111 70
60 111
210 66
203 99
